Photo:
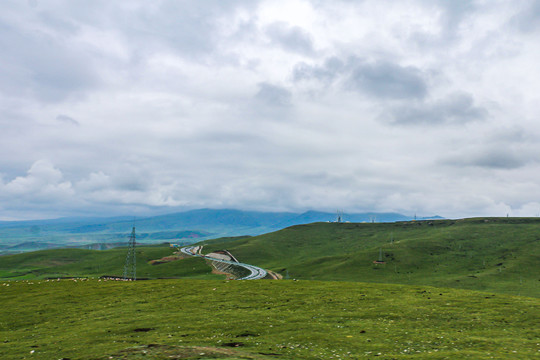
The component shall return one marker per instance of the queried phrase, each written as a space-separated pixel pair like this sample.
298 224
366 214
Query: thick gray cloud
492 159
291 38
380 79
457 108
499 159
329 71
387 80
273 95
138 107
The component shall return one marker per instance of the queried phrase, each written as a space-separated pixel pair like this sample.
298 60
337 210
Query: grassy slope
81 263
500 255
292 320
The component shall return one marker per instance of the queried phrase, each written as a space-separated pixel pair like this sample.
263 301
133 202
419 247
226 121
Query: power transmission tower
130 268
339 216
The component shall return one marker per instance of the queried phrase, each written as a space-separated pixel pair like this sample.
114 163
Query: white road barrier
255 271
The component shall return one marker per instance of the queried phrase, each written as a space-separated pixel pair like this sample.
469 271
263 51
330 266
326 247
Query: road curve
255 272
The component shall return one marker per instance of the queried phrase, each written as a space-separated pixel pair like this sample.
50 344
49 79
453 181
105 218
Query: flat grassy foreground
203 319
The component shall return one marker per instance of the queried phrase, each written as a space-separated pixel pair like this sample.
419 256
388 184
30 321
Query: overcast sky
140 107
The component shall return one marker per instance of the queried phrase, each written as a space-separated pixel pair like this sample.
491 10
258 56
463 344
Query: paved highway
255 272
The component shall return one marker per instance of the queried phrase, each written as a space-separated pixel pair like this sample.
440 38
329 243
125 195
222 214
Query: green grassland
93 263
203 319
493 254
390 310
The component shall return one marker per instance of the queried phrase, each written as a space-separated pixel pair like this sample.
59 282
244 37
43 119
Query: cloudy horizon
139 108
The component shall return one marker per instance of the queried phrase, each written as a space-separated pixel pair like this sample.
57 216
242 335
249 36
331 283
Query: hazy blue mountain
62 221
184 227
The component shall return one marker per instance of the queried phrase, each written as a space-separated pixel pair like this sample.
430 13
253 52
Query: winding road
255 272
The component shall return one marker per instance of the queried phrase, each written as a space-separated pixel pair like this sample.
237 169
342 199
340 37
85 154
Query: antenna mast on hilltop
339 216
130 268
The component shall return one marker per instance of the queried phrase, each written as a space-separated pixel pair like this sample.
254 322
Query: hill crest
205 223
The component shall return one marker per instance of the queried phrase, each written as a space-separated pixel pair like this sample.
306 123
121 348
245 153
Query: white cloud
284 105
42 183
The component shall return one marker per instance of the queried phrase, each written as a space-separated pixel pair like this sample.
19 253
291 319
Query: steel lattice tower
130 268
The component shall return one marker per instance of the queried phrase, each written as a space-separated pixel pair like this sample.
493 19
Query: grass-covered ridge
491 254
496 254
163 319
185 227
93 263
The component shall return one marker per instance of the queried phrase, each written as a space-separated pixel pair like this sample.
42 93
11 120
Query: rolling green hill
186 227
92 263
496 254
493 254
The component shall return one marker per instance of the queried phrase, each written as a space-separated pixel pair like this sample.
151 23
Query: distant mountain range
182 227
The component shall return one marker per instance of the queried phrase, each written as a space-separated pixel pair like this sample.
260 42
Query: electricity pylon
130 268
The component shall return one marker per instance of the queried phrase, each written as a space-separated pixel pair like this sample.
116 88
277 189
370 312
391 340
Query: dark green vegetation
201 319
496 254
185 227
92 263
